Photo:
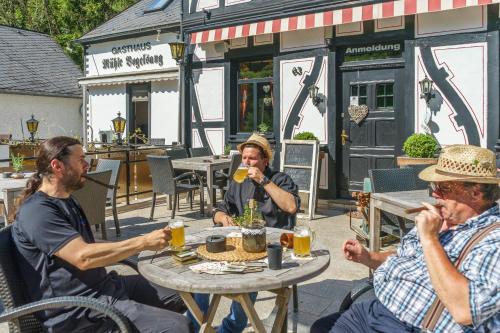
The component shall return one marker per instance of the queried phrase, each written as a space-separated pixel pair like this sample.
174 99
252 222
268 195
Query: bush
421 145
305 136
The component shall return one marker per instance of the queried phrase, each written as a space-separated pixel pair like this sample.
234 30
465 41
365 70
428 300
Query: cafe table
10 189
395 203
163 270
206 164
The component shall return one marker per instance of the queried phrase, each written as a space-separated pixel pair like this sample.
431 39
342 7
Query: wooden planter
405 160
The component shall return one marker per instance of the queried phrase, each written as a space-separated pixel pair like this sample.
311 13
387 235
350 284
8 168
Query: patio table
395 203
163 270
10 189
205 164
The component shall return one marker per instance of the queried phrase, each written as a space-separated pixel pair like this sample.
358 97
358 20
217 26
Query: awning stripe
388 9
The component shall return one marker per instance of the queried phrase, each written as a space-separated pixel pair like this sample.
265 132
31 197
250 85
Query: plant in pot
17 165
264 128
305 136
253 228
419 149
227 150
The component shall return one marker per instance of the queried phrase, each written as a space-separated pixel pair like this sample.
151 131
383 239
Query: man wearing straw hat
445 275
277 199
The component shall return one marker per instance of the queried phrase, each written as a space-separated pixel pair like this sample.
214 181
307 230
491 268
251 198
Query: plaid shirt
402 283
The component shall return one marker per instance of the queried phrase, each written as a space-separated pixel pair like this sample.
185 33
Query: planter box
405 160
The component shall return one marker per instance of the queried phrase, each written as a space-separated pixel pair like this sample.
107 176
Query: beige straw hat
260 141
463 163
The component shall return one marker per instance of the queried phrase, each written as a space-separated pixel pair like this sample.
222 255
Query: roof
137 19
33 63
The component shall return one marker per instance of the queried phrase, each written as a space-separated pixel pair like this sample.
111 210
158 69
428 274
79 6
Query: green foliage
264 127
248 217
420 145
227 149
305 136
64 20
17 162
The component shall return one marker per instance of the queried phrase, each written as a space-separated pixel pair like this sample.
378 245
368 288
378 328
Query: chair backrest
12 286
114 166
157 141
200 151
92 197
162 174
392 180
421 184
177 153
235 163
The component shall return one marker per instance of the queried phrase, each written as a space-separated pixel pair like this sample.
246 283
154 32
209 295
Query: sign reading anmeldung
396 47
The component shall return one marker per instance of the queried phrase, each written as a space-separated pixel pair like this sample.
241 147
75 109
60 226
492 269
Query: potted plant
419 149
264 128
253 228
227 150
17 165
305 136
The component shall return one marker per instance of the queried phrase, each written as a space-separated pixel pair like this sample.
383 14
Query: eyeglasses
442 189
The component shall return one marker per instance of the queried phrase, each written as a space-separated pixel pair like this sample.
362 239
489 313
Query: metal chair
393 180
165 182
19 311
92 198
114 166
177 153
200 151
157 141
417 168
222 179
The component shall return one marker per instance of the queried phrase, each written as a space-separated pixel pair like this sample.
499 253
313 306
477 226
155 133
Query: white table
10 189
204 164
164 271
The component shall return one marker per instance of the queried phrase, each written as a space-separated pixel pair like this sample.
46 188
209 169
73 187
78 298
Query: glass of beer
241 173
178 241
303 238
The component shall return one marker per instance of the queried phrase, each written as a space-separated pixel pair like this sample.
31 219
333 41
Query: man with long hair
59 257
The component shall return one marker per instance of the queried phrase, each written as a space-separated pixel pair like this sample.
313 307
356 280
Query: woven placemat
234 252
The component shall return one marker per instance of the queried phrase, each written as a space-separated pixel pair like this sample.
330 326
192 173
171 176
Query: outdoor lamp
177 50
119 127
426 89
313 94
32 125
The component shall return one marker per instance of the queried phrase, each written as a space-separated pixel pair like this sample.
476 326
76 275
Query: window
359 91
385 95
255 96
157 5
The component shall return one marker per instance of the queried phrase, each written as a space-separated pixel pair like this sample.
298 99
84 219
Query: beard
73 181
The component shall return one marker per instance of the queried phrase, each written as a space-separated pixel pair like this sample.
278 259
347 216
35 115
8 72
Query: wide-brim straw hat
260 141
463 163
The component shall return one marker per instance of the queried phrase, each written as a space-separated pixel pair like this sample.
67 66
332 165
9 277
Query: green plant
249 215
17 162
305 136
227 149
420 145
264 127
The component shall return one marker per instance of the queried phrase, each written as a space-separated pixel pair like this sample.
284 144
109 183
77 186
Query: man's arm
450 285
85 256
221 217
354 251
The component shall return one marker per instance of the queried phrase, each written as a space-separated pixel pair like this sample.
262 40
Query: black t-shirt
43 226
238 194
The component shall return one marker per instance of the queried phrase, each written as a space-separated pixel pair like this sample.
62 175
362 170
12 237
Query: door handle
344 137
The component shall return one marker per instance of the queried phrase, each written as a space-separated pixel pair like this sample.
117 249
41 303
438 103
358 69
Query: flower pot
17 175
254 237
405 160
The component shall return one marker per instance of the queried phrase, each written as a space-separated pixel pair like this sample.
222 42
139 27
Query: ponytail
32 185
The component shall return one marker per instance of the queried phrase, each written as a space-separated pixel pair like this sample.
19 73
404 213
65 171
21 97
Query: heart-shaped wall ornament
358 112
266 88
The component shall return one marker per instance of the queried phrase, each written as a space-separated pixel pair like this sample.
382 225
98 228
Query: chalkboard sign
299 159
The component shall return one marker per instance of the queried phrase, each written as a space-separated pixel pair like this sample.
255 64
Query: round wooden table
163 270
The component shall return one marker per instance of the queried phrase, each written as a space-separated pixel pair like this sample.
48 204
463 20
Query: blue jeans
235 322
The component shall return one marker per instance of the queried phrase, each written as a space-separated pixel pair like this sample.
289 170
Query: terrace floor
317 297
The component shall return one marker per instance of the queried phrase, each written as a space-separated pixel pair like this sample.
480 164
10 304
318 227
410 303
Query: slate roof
135 20
33 63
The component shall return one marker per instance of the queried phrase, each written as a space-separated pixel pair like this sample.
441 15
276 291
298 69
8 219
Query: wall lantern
313 94
426 89
119 127
32 125
177 50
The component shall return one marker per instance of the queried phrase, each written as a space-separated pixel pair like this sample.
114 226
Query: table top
201 163
165 271
11 184
405 199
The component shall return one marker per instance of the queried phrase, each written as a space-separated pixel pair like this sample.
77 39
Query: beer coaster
234 252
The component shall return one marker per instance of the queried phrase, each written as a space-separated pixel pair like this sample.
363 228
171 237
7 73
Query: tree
64 20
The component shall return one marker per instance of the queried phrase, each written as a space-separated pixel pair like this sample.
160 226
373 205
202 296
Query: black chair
223 179
19 311
165 182
177 153
393 180
114 166
417 168
200 151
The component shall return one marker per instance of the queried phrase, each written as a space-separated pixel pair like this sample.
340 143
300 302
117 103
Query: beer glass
177 230
303 238
241 173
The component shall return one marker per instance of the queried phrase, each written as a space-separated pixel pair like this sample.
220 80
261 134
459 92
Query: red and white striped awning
334 17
